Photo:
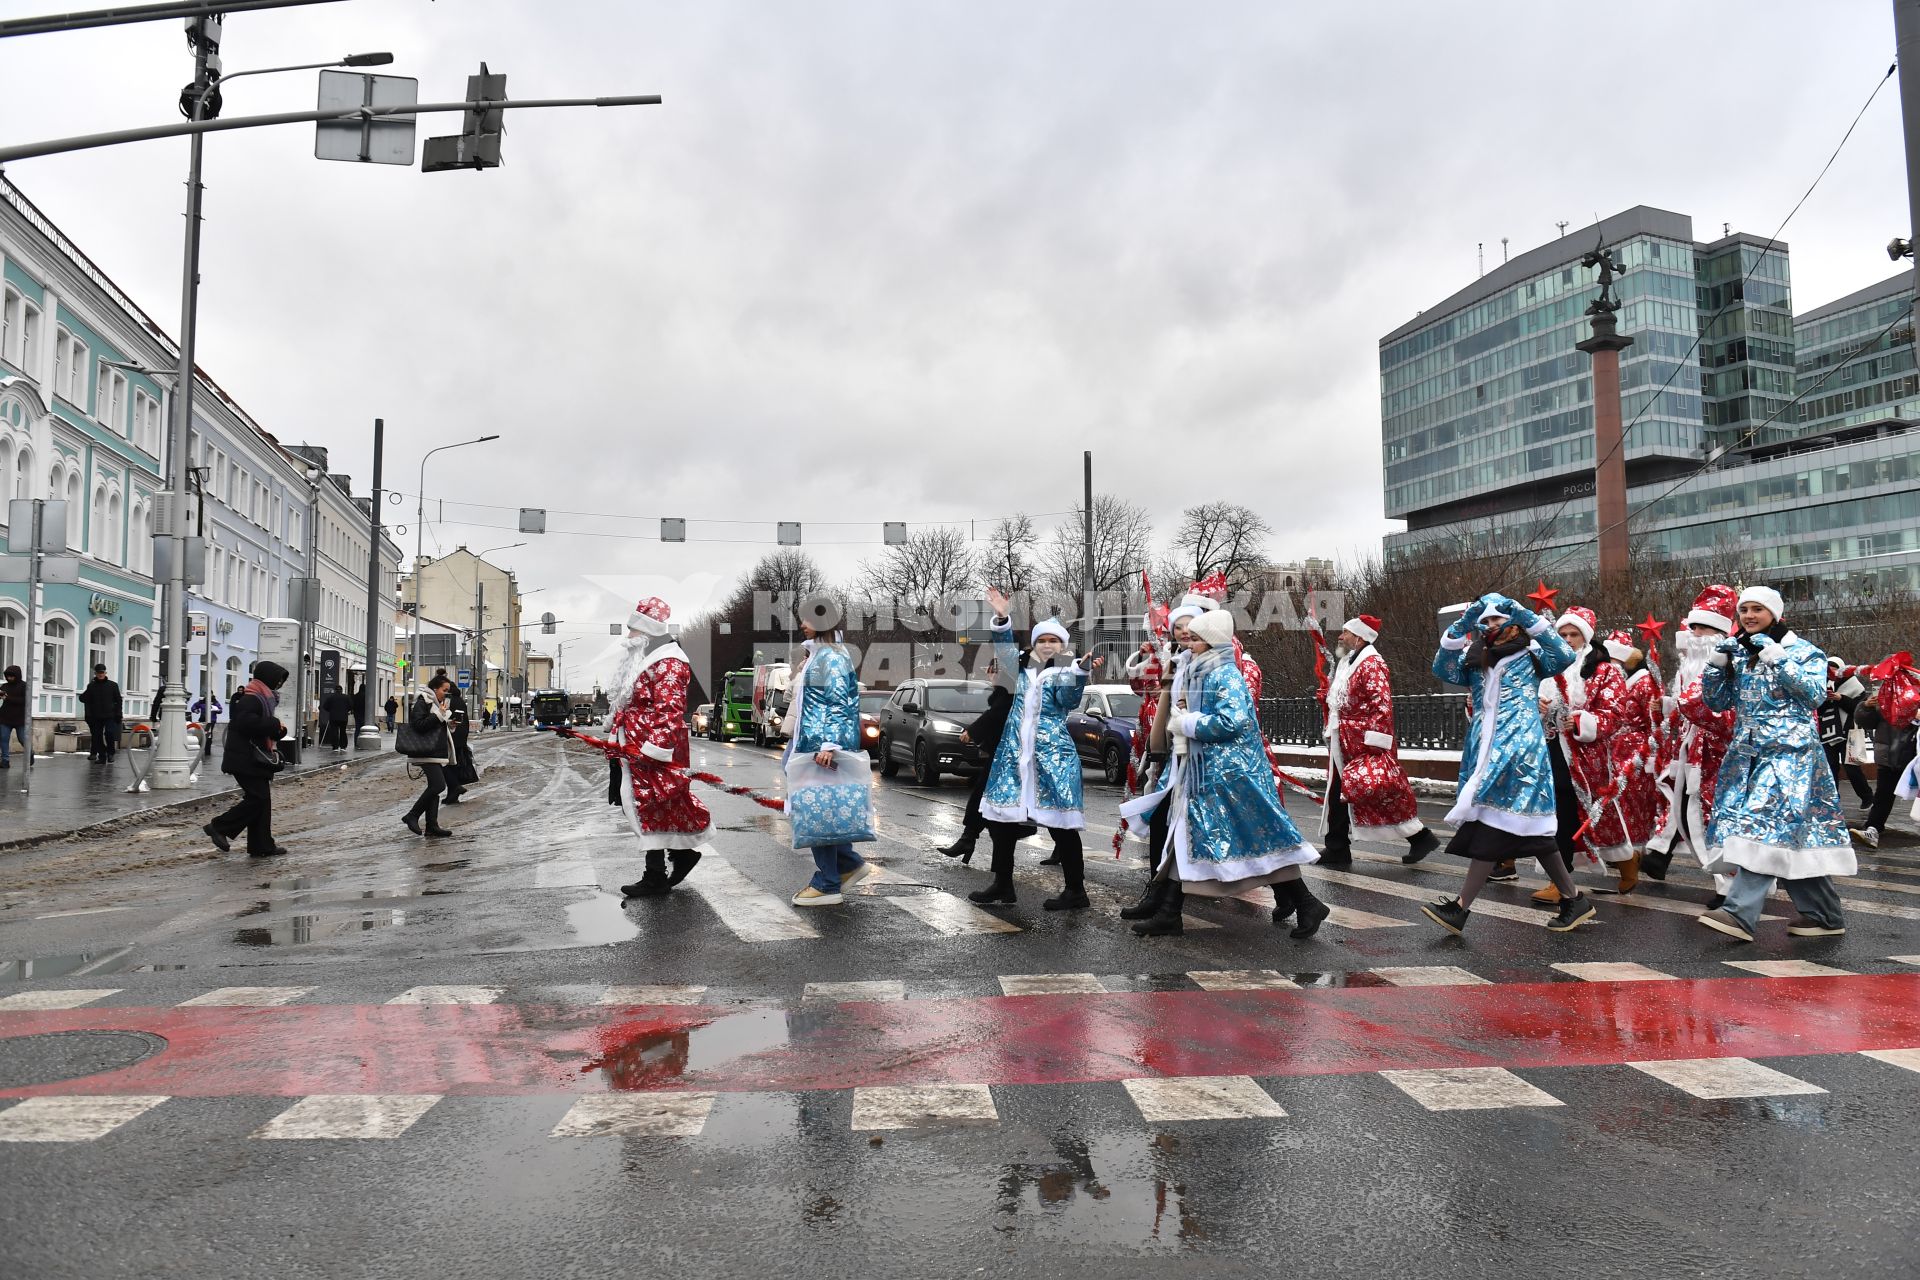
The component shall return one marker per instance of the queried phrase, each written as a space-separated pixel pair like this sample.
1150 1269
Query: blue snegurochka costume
1776 810
828 714
1035 776
1506 777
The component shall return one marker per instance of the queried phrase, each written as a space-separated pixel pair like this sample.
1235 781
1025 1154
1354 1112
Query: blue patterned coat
1035 776
1506 776
1228 823
1775 807
830 706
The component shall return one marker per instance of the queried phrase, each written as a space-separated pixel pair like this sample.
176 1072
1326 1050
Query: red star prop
1650 629
1543 596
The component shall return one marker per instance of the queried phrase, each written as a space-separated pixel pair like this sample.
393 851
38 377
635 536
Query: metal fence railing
1421 721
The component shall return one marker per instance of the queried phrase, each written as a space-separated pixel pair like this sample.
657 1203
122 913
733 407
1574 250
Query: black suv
921 726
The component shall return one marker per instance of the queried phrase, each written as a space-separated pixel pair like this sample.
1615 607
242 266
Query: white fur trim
1205 604
1772 652
1766 597
1215 627
1784 863
1541 626
1187 611
653 751
1619 652
637 621
1361 629
1586 726
1405 830
1455 644
1708 618
1188 719
1721 660
1374 738
1051 627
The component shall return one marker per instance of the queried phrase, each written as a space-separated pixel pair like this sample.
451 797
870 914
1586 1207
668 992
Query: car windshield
957 698
1124 705
872 701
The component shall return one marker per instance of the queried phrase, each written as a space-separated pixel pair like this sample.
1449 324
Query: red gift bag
1899 698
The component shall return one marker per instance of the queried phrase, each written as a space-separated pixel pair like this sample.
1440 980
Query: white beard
628 673
1694 652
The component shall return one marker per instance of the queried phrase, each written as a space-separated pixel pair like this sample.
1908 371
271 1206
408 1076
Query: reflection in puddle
111 960
298 929
601 920
458 864
1115 1189
632 1057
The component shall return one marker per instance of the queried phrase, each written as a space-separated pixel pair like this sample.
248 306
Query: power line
624 515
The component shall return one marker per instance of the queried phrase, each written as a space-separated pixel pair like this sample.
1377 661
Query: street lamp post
173 762
419 550
480 622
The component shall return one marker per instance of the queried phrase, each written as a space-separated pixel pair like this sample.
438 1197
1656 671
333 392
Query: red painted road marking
295 1050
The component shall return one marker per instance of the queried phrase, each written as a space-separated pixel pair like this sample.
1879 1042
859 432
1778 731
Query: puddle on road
601 921
298 929
458 864
1120 1190
79 964
634 1058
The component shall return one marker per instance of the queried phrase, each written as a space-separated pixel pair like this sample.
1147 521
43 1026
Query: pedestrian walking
1227 830
1366 787
13 717
1501 651
983 733
824 720
649 751
336 711
1696 740
1583 705
1892 713
206 710
428 742
460 771
392 710
1035 775
1172 661
1633 749
1776 813
1845 692
101 698
251 755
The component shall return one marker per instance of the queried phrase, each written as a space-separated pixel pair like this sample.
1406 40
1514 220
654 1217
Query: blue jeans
831 861
1815 898
7 734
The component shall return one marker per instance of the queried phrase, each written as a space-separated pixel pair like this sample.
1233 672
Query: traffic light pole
369 736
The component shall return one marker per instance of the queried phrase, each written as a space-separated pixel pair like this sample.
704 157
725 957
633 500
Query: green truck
732 706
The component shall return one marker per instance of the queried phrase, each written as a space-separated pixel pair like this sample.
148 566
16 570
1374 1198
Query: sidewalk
69 793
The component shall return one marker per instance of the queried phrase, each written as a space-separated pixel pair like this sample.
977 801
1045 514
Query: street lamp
172 768
419 548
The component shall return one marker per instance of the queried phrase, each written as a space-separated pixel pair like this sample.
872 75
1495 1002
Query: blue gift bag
830 805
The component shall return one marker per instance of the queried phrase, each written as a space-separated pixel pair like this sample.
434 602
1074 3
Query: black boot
1283 904
1419 845
653 881
1340 857
1312 912
1148 904
1073 873
684 861
1001 890
961 848
1654 865
1166 919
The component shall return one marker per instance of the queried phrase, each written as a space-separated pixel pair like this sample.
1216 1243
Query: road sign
673 529
464 678
303 598
533 520
789 533
53 525
197 629
894 533
373 138
477 145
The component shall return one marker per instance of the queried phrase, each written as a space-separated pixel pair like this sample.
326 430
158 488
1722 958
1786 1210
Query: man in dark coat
13 717
101 698
337 708
461 769
253 728
984 733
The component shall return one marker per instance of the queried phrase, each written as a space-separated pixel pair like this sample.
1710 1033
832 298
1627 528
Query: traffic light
477 145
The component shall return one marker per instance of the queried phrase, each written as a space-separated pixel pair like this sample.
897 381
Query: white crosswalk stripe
1469 1089
950 916
1616 971
72 1119
651 994
1908 1058
647 1115
447 995
922 1106
1905 959
1788 968
70 999
341 1115
1242 980
1429 975
1524 914
247 996
1417 893
749 912
1050 984
845 992
1172 1098
1348 918
1725 1078
564 875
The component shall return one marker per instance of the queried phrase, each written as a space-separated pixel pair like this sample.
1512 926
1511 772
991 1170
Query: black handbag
266 759
416 743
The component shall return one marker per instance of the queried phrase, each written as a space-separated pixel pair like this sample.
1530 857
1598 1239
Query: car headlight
943 726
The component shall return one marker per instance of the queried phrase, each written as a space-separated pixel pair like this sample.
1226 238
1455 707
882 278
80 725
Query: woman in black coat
427 717
984 733
251 756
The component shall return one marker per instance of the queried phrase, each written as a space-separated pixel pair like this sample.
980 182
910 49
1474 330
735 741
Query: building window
99 650
13 637
99 538
23 473
137 668
19 330
113 401
56 653
146 423
236 679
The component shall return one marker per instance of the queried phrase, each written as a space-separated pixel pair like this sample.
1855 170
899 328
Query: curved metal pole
419 549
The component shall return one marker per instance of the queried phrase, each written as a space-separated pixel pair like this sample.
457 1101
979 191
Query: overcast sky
905 261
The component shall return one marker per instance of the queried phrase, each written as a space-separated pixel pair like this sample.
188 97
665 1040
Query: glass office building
1876 379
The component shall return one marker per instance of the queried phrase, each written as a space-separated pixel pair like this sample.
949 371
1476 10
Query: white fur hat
1215 626
1051 627
1185 613
1767 597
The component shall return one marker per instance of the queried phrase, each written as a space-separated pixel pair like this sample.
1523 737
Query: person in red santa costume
1634 755
1367 791
1582 705
648 741
1694 742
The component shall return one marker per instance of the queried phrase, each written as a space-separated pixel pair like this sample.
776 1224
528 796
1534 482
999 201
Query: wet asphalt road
1606 1170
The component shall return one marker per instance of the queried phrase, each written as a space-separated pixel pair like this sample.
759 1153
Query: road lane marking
71 1119
1242 980
1905 959
1617 971
247 996
1050 984
922 1106
651 994
949 915
1908 1058
1416 893
349 1115
84 911
70 999
1430 975
849 992
447 995
1725 1078
1788 968
749 912
1348 918
564 875
1113 899
645 1115
1166 1099
1880 909
1507 912
1469 1089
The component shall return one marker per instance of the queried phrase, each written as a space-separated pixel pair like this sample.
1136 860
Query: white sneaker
1867 836
812 897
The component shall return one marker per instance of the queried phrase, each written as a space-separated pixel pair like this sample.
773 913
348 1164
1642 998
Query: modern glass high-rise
1876 379
1746 341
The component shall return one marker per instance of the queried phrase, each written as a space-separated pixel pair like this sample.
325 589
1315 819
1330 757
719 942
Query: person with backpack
251 755
428 742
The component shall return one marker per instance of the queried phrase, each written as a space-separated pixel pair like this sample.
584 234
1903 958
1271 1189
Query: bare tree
1007 559
1122 547
1224 538
933 564
786 570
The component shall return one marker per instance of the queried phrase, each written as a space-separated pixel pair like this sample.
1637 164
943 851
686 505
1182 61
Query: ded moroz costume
1367 791
1583 707
1634 753
1693 742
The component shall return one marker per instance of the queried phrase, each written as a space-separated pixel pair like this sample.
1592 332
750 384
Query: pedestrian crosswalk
1155 1100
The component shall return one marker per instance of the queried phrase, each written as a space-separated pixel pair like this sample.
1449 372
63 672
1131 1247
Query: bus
550 707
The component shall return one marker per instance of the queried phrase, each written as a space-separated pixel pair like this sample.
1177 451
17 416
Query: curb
141 817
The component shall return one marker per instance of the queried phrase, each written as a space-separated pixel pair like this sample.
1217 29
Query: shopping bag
830 805
1369 779
1859 747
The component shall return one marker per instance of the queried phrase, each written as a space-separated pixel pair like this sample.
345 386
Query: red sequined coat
1146 674
1698 737
1634 754
1360 744
649 738
1589 714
